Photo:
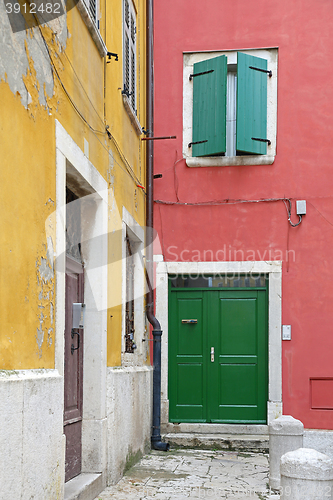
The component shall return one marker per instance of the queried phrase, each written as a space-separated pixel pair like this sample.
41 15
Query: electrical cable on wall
128 169
234 202
226 201
289 213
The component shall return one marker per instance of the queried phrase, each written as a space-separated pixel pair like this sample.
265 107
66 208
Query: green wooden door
229 386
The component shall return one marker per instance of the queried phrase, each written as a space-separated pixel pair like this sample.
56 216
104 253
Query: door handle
212 354
78 341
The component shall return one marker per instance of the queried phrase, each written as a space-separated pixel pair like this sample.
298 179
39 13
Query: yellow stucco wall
124 185
27 185
86 96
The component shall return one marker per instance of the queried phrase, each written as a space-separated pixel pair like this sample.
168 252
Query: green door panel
187 376
232 388
189 391
238 315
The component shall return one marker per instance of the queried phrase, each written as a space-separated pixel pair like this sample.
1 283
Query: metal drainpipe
156 441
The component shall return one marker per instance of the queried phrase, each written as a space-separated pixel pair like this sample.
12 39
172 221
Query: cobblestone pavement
183 474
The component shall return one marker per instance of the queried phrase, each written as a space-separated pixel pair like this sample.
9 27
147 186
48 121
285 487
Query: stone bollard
285 434
306 475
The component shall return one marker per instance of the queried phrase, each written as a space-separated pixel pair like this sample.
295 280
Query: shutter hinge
110 54
268 71
261 140
126 91
197 142
199 74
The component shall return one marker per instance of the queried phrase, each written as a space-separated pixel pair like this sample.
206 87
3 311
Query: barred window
92 9
130 53
129 312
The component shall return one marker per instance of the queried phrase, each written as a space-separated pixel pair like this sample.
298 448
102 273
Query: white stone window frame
136 234
274 271
189 58
92 23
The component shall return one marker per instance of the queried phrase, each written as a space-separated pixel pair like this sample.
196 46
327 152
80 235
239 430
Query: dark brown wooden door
73 372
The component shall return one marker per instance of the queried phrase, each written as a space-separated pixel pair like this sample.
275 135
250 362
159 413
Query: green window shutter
251 104
209 107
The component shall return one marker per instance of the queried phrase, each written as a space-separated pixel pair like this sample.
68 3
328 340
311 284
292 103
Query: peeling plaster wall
45 282
27 278
32 97
50 73
29 96
37 67
19 49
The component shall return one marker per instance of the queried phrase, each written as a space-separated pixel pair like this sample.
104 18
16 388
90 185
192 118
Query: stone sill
226 161
132 359
24 375
130 369
132 115
92 28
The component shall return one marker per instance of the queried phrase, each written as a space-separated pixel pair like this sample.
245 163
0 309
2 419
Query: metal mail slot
189 321
78 315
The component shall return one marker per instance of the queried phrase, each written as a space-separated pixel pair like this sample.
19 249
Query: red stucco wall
302 31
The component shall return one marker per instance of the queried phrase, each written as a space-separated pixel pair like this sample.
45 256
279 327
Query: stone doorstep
85 486
201 428
230 442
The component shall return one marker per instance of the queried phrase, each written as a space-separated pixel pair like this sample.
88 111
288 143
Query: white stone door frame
71 160
274 271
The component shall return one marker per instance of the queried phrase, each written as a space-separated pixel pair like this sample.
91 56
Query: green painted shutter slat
209 107
251 104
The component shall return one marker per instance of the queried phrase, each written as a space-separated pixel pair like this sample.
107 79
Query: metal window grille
130 53
73 225
127 13
129 313
133 28
127 59
93 10
133 79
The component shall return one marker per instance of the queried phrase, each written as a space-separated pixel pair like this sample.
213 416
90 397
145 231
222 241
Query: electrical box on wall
286 332
301 207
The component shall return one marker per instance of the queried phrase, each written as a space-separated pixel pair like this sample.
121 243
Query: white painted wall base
129 416
94 450
31 437
320 440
